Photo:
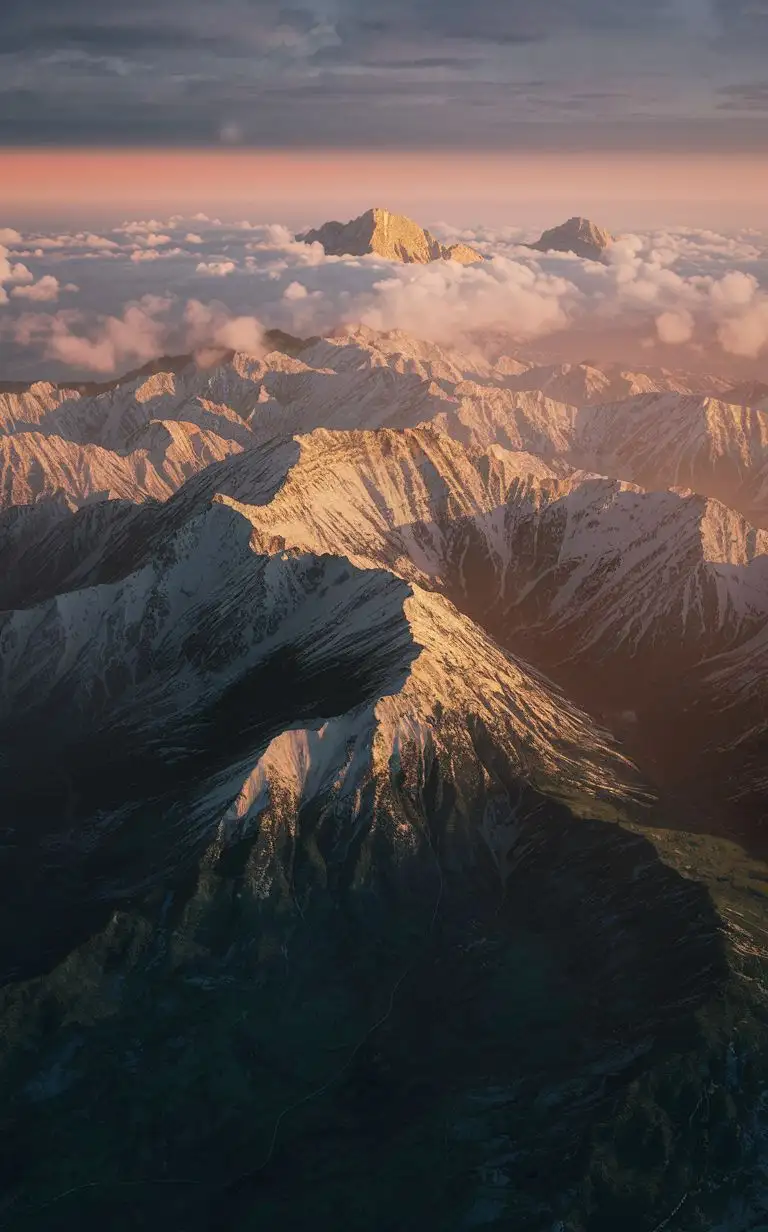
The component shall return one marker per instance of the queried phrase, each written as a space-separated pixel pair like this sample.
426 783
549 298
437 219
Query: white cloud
140 226
45 291
444 301
50 242
143 331
156 254
699 291
114 343
734 290
96 242
746 333
216 269
153 240
9 236
675 327
82 240
17 274
11 274
210 326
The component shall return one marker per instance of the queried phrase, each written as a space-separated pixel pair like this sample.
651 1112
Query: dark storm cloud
343 72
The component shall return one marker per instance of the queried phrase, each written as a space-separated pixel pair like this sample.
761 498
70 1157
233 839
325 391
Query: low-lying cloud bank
143 331
145 289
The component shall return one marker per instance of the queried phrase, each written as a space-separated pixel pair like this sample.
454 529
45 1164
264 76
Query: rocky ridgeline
392 236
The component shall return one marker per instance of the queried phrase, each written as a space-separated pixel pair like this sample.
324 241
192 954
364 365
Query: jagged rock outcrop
591 568
577 235
667 440
392 236
577 572
153 695
585 384
142 437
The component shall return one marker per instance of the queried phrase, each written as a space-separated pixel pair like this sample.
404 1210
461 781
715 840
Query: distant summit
392 236
577 235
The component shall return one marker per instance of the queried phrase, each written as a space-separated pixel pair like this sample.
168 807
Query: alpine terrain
383 758
579 236
392 236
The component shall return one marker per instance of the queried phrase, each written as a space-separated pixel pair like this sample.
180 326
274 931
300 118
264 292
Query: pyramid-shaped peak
392 236
578 235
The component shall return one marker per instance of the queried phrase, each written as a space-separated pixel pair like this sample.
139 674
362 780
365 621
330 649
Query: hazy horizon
621 191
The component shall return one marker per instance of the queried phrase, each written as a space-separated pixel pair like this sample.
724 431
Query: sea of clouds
96 304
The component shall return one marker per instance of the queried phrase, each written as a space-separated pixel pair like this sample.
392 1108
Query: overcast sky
496 74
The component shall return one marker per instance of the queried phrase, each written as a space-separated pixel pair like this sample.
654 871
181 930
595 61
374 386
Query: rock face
392 236
585 384
577 235
535 543
208 651
665 440
323 880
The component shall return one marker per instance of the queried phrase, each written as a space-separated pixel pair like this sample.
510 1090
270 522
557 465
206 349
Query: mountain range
398 238
383 758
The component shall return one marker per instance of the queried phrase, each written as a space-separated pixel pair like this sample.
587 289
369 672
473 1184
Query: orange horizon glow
731 189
